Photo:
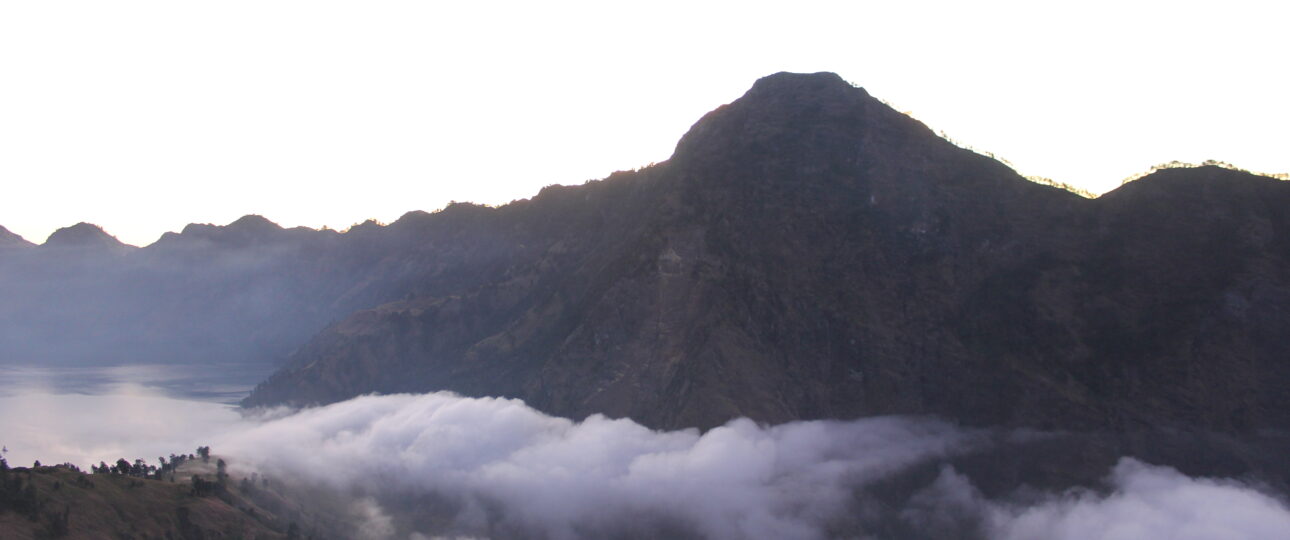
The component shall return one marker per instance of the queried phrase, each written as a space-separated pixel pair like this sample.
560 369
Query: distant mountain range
807 252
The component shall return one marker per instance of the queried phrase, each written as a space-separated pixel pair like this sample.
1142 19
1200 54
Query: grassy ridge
62 502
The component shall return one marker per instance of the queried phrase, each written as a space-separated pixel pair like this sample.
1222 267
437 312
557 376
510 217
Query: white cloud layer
563 478
1142 501
509 470
1148 502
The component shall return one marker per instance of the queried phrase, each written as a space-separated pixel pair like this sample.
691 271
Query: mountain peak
253 223
83 235
250 228
780 112
815 86
1202 186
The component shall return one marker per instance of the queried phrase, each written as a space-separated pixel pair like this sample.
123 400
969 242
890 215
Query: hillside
810 253
60 502
10 240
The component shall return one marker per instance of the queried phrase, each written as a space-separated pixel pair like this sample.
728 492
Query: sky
143 116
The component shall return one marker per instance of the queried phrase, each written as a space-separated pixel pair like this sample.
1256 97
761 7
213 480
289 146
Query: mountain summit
83 235
809 252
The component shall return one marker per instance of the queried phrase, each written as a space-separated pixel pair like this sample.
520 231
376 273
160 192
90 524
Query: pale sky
143 116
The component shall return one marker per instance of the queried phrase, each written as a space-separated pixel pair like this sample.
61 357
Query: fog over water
221 383
441 464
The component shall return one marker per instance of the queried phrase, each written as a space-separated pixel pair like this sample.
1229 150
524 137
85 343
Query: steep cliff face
810 253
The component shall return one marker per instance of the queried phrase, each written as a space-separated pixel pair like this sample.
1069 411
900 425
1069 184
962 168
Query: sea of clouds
487 467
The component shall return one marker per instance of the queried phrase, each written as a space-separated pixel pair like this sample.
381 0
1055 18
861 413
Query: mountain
85 236
233 300
808 252
11 240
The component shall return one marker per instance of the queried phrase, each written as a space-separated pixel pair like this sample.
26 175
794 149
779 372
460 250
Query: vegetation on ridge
188 497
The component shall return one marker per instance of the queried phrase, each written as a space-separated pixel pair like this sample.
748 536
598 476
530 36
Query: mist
438 464
1139 501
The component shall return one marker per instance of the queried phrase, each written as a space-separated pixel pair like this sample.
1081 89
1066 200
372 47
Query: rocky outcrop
810 253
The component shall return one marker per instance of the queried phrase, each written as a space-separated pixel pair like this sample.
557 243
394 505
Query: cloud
575 479
1149 502
1142 501
440 465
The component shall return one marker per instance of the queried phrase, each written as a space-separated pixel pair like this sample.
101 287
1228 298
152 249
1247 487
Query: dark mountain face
810 253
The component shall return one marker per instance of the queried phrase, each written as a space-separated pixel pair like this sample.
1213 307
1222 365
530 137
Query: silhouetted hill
84 236
11 240
810 253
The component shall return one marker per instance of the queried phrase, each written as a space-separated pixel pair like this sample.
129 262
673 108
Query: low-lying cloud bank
512 466
440 464
1143 501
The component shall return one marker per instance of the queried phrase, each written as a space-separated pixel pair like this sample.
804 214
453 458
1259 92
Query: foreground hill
60 502
810 253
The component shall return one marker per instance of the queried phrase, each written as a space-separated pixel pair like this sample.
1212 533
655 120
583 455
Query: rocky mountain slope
810 253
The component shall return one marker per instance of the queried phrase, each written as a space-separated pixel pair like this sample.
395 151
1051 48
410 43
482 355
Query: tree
202 488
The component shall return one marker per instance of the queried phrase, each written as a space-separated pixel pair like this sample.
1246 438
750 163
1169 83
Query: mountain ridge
780 265
808 252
